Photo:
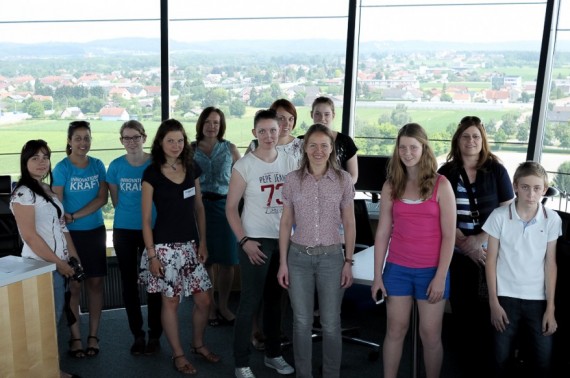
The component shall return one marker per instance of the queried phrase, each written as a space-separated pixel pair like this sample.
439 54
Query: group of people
459 233
187 213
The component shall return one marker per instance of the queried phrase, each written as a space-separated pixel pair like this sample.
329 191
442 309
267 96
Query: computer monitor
372 172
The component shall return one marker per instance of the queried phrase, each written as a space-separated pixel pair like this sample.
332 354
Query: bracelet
151 257
242 241
72 217
351 261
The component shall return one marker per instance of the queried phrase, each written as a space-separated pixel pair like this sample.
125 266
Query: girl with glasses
124 176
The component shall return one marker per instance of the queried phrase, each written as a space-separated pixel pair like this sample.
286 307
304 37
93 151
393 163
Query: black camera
79 274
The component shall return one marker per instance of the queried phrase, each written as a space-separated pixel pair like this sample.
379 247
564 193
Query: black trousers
129 245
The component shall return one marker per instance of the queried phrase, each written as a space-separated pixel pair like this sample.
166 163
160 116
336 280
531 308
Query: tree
400 115
36 109
500 137
184 104
237 108
276 91
91 104
562 178
563 135
299 99
522 133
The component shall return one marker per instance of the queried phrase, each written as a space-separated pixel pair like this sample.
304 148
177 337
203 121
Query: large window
556 141
435 63
421 61
64 61
241 56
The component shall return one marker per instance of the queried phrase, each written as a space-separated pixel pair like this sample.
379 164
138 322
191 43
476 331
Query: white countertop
16 269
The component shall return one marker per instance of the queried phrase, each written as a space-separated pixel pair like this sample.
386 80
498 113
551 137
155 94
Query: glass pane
182 9
40 10
564 15
244 64
556 143
436 75
56 72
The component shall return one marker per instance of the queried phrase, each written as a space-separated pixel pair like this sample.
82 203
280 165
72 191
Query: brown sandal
210 357
187 368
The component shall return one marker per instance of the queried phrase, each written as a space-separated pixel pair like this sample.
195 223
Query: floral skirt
184 275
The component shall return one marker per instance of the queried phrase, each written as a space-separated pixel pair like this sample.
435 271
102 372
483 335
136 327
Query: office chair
10 242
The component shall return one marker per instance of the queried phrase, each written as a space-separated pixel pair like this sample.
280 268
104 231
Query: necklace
173 165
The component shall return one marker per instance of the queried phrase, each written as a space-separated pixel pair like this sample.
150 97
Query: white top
263 203
294 148
48 225
522 250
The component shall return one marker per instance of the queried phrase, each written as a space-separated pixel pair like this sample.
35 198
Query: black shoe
138 346
152 346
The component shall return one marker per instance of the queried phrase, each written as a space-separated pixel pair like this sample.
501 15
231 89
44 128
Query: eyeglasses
136 138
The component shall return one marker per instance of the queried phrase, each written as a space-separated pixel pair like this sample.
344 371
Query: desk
28 335
363 273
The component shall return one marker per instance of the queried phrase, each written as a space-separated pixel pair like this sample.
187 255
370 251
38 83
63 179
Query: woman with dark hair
39 215
416 232
216 156
175 249
317 198
124 176
481 184
80 182
287 119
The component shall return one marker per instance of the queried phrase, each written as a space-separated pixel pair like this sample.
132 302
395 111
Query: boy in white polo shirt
521 270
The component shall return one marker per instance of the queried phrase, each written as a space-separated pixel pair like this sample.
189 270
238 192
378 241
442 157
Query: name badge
189 192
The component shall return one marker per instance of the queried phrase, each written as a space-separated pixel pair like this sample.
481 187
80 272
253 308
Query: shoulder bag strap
469 190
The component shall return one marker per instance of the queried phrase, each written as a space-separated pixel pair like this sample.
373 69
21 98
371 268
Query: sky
390 22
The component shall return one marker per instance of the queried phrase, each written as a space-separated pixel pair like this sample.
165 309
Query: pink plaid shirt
317 206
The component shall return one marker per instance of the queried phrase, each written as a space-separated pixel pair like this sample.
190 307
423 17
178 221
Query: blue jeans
259 282
527 315
324 271
129 245
58 294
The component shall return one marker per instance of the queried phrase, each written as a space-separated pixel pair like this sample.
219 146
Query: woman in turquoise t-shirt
80 183
124 177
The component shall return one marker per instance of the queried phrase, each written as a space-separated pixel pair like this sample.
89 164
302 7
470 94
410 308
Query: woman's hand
64 268
471 247
376 286
283 276
346 276
202 253
435 290
254 252
156 268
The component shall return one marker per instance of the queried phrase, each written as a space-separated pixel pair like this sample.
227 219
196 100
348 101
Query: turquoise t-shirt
128 211
80 186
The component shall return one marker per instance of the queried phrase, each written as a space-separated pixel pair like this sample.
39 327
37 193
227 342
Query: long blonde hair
397 173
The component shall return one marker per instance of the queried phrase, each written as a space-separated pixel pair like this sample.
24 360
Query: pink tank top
416 233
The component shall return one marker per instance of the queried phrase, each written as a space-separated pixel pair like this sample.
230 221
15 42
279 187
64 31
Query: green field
106 145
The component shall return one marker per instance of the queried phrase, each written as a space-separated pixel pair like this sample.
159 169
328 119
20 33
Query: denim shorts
403 281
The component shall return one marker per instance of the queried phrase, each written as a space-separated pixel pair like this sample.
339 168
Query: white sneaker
279 364
244 372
